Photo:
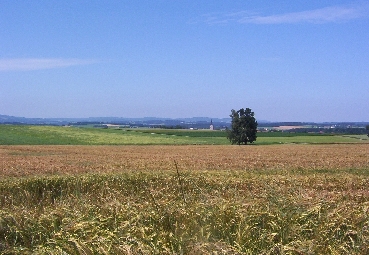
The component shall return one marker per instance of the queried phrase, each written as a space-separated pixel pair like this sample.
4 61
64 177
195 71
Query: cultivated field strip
19 161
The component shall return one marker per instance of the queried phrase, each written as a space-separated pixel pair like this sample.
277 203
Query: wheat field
276 199
38 160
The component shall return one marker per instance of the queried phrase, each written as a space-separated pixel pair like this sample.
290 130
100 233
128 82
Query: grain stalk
180 182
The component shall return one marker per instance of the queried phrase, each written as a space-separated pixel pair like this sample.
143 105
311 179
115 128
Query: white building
211 125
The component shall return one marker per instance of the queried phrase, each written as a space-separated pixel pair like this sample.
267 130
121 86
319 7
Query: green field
57 135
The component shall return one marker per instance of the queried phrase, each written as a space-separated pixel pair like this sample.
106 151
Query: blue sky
286 60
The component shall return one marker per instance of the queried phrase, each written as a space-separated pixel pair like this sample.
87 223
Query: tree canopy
243 128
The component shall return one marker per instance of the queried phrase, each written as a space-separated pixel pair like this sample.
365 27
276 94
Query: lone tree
244 127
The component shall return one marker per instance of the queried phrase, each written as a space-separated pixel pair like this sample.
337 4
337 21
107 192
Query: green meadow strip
58 135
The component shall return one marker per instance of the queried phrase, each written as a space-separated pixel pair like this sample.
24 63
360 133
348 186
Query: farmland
285 195
57 135
20 161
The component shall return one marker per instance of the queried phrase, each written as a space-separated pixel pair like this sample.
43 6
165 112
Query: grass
221 212
288 194
37 135
56 135
310 139
275 199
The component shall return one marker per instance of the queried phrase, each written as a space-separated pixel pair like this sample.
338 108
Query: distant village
194 123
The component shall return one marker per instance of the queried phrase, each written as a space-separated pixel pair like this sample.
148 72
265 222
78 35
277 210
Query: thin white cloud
30 64
323 15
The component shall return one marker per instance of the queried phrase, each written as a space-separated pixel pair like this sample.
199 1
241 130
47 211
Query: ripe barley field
20 161
275 199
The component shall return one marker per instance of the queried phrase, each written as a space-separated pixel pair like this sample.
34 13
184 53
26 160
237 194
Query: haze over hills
62 121
199 122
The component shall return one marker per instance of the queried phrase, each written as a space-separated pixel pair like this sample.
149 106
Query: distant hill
146 121
6 119
194 122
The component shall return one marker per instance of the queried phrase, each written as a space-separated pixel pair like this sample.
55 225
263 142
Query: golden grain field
275 199
16 161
